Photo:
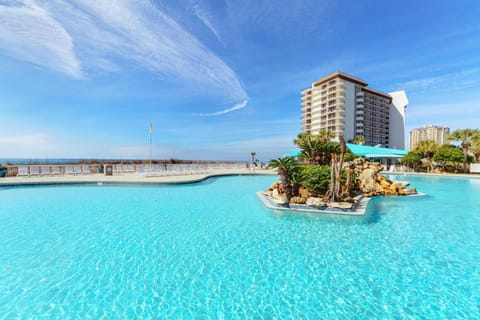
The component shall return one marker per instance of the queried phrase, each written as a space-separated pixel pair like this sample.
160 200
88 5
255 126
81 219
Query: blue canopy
365 151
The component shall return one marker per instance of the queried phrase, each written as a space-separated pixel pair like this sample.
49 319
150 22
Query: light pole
150 133
253 154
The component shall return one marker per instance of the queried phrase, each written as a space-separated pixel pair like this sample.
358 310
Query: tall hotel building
438 134
346 106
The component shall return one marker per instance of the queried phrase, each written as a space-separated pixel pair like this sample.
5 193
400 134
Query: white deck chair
69 170
55 170
140 169
77 169
117 169
45 170
34 170
22 171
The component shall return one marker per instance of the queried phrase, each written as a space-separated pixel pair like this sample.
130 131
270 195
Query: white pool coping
127 178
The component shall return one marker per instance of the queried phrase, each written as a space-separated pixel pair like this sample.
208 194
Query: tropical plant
358 140
325 135
253 154
316 149
286 167
465 137
412 160
448 153
427 149
475 148
316 178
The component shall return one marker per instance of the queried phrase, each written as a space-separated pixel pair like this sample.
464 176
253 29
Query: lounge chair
69 170
34 170
77 169
45 170
22 171
55 170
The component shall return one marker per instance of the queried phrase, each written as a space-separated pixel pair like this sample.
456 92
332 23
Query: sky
218 79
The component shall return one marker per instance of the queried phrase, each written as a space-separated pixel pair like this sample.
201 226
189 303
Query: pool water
212 250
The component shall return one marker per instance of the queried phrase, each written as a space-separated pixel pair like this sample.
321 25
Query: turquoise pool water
211 250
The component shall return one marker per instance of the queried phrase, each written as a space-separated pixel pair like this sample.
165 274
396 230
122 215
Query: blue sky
218 79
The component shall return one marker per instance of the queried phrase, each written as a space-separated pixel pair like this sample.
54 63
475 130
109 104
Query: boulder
298 200
341 205
315 202
303 192
366 180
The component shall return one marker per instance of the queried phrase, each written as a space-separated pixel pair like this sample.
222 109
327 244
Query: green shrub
316 178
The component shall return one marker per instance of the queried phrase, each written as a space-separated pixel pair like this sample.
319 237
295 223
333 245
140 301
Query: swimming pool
212 250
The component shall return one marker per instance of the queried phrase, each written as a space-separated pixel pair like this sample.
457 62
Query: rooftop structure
345 105
438 134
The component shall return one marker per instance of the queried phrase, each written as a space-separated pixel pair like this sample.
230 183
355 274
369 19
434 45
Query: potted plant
3 171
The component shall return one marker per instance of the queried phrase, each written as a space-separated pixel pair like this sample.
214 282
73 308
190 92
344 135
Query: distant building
438 134
346 106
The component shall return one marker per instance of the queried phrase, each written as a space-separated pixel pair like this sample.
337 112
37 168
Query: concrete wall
349 132
397 120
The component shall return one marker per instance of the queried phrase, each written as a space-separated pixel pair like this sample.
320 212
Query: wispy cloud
455 115
452 81
78 36
238 106
204 17
28 32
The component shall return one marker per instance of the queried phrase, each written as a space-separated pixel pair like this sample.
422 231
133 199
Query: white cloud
203 16
238 106
266 149
459 115
36 144
57 34
449 81
29 33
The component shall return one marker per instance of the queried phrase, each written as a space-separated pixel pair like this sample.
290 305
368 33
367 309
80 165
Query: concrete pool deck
128 178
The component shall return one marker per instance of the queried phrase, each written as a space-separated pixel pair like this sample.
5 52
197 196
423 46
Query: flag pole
150 132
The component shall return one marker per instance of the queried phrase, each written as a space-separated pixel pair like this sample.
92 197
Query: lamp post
253 154
150 133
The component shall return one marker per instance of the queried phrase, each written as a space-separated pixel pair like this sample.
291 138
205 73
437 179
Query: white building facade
346 106
438 134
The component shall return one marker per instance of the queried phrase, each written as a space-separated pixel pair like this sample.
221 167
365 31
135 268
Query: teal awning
365 151
292 154
375 152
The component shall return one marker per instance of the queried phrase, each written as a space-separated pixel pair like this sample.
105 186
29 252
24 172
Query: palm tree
286 168
335 192
426 148
359 140
465 136
325 135
253 154
316 149
475 148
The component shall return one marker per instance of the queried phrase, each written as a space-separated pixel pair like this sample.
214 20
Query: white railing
120 169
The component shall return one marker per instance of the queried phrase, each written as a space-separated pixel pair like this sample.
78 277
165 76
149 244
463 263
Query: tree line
463 147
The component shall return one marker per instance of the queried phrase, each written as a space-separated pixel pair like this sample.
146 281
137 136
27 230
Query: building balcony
359 118
360 94
359 106
359 130
359 100
359 112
